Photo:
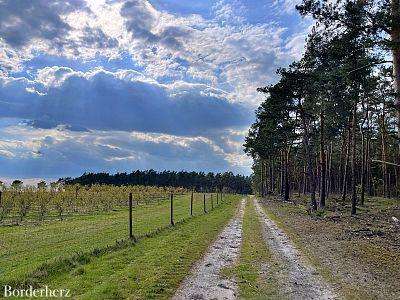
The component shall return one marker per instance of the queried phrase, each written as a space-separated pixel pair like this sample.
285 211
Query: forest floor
358 256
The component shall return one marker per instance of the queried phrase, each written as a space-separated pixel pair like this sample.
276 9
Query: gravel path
205 281
302 280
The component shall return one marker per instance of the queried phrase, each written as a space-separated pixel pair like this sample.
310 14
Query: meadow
39 252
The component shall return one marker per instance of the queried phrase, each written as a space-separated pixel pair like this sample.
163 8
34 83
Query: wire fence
92 234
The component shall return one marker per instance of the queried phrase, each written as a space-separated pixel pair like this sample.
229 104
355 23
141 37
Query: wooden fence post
130 217
212 202
191 205
172 209
204 203
217 197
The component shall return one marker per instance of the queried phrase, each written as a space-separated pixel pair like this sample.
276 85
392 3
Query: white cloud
66 153
295 45
227 52
121 100
287 6
53 76
195 70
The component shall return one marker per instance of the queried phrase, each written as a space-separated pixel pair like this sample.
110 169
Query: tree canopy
331 122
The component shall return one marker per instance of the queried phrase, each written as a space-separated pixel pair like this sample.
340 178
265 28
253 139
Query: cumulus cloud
140 17
63 28
95 37
114 84
51 153
23 21
229 51
145 23
118 101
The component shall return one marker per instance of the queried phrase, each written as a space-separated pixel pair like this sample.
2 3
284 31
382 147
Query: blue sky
113 85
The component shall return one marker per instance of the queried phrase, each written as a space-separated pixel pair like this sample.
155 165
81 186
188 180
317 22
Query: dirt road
205 281
301 280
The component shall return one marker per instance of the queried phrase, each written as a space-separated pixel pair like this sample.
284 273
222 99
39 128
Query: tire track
205 281
302 280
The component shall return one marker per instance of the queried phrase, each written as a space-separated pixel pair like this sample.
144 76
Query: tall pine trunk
384 154
353 162
362 196
265 178
363 153
282 173
310 159
346 166
341 162
322 162
305 183
329 180
262 178
287 185
272 176
395 35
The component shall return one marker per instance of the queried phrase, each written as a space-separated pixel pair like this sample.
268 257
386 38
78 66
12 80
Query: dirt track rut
302 281
205 281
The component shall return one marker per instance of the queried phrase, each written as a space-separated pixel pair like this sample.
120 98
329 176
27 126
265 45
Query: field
25 204
281 250
151 269
33 252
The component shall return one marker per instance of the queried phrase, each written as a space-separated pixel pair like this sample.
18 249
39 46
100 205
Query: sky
119 85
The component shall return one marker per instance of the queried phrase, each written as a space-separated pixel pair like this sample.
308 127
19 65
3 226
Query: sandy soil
301 279
205 281
359 255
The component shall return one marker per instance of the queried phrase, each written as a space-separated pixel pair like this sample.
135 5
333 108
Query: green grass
151 268
25 248
256 269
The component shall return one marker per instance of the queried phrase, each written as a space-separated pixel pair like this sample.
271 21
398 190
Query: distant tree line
199 181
